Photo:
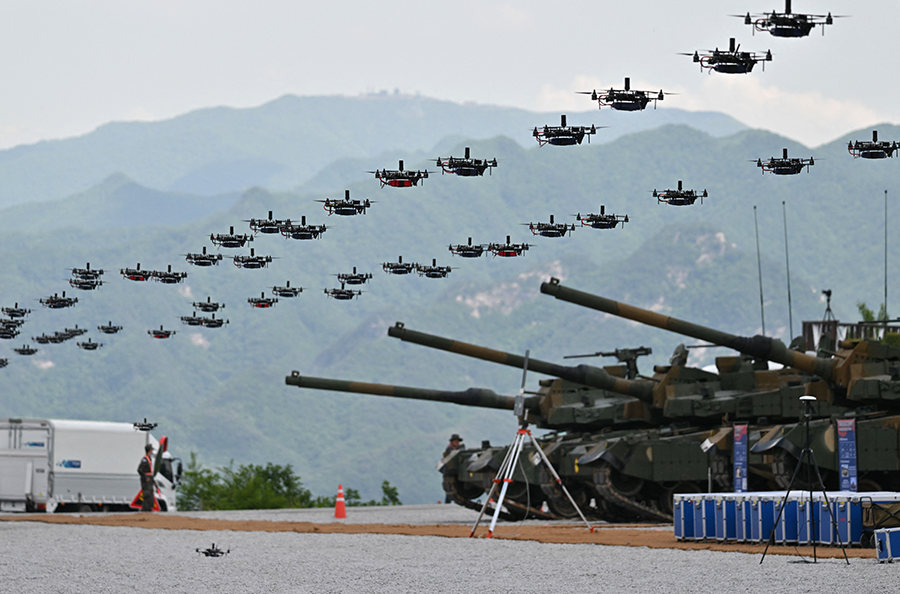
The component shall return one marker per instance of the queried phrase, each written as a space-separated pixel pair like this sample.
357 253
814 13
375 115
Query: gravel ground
37 557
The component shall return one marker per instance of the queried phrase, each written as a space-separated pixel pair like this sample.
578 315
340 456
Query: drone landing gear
504 476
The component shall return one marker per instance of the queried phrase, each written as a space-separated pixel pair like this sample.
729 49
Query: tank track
603 483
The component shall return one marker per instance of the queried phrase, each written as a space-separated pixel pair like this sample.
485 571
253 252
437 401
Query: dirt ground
654 537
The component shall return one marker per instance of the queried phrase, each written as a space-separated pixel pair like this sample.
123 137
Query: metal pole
762 311
787 260
886 317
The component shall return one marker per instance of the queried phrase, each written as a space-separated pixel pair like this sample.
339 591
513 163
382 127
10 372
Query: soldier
145 470
455 444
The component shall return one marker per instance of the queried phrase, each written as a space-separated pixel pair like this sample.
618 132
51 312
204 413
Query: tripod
809 457
508 466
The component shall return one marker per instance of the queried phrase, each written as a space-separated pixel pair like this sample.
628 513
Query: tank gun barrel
760 347
582 374
477 397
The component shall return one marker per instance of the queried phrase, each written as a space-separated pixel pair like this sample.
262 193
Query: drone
86 273
168 277
625 99
252 261
192 320
72 332
433 271
4 362
267 226
109 329
26 350
468 250
161 333
213 551
787 24
466 166
785 165
354 278
732 61
262 301
602 220
208 306
398 267
8 332
213 322
346 207
145 425
136 274
287 290
508 249
872 149
230 240
44 339
84 284
57 302
550 229
563 135
400 178
303 231
203 259
89 346
679 197
15 311
343 294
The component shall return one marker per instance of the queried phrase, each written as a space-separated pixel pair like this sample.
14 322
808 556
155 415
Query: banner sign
847 453
740 458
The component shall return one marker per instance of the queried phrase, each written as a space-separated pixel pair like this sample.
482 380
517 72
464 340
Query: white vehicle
79 466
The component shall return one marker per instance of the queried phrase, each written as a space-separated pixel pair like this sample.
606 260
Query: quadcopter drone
732 61
287 290
45 339
203 259
550 229
192 320
213 551
87 273
26 350
89 346
57 302
252 261
84 284
213 322
346 207
72 332
468 250
354 278
168 277
230 240
625 99
4 362
267 226
679 197
873 149
208 306
466 166
433 271
602 220
109 329
508 250
136 274
262 301
8 331
15 311
303 231
400 178
785 165
398 267
161 333
145 425
563 135
787 23
343 294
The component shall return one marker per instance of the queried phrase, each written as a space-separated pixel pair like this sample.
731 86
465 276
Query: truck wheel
84 508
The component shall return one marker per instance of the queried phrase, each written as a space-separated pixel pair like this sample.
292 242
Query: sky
69 66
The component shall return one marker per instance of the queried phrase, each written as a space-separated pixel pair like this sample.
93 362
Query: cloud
44 363
199 340
185 291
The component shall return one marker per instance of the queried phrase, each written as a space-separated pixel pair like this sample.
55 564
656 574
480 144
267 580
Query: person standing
145 470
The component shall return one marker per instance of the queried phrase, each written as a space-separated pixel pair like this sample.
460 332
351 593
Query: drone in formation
303 231
343 294
345 207
353 278
398 267
400 178
161 333
679 197
56 302
167 277
732 61
89 345
213 551
15 311
203 259
468 250
563 135
466 166
109 328
601 220
26 350
252 262
145 425
230 239
208 306
785 165
626 99
551 229
136 274
508 249
433 271
787 23
262 302
86 279
872 149
268 226
287 290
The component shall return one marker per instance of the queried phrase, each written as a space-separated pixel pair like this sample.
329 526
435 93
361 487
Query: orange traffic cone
340 510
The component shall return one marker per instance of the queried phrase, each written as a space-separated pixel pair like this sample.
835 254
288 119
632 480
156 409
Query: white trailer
52 465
